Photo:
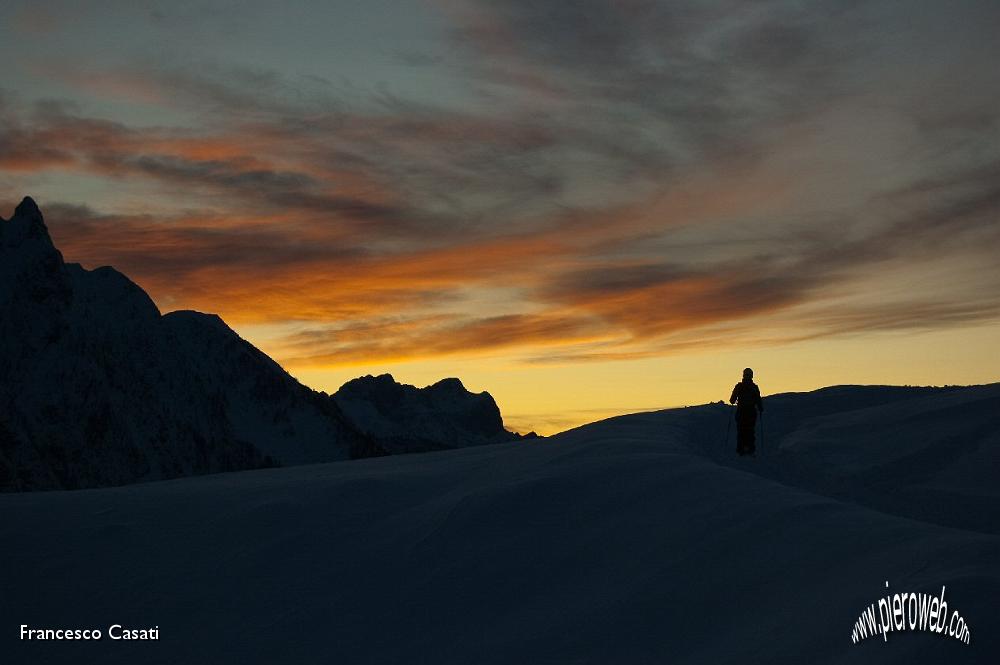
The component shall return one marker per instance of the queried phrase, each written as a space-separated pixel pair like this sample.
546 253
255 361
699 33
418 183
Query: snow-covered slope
929 453
640 539
405 418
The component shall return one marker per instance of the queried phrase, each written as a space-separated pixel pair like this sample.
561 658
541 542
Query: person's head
748 374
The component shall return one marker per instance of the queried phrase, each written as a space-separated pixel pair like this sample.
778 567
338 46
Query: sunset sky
585 208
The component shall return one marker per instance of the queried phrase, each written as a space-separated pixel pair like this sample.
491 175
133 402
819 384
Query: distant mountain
404 418
98 388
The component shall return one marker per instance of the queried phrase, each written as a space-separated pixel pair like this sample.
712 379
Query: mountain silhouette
403 418
99 388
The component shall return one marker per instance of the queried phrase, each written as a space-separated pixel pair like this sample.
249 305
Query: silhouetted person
746 397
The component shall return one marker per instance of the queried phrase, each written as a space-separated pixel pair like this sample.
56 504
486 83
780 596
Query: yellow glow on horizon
552 398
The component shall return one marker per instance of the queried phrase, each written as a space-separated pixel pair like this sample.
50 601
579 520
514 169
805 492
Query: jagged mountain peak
27 208
385 379
450 384
26 228
441 415
99 388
